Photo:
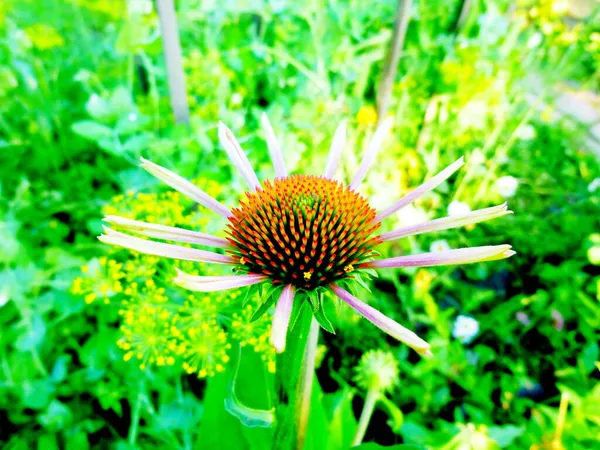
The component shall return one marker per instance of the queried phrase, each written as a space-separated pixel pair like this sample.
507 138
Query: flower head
301 235
378 370
507 186
465 329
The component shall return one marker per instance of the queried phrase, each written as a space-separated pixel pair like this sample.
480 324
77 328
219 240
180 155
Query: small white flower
412 215
477 157
473 115
526 132
507 186
560 6
439 246
535 40
236 99
140 7
465 329
132 117
456 208
594 185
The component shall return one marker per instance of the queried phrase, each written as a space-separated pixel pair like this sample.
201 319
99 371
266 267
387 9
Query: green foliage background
83 95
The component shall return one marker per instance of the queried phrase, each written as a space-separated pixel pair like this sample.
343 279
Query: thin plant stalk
305 385
365 415
173 61
384 91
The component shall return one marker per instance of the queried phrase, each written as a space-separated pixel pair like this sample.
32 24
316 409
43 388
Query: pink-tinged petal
372 149
185 187
445 258
162 249
281 318
273 145
429 185
446 223
383 322
166 232
237 156
335 151
216 283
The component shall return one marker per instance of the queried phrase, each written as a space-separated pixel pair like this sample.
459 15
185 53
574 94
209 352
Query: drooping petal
167 233
237 156
281 318
383 322
445 258
429 185
216 283
161 249
185 187
335 151
446 223
273 145
372 149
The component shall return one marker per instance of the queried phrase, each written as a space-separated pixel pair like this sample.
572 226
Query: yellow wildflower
44 37
366 115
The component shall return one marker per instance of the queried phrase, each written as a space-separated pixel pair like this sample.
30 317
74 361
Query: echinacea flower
301 235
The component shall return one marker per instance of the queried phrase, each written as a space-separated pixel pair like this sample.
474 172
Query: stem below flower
365 416
305 384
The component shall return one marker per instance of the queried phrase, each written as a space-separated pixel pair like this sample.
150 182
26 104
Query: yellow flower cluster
549 16
254 333
44 37
160 324
207 74
114 9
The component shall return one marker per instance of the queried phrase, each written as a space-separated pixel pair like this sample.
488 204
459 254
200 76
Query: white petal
216 283
335 151
237 156
383 322
162 249
445 258
166 232
281 318
372 149
446 223
430 184
185 187
273 145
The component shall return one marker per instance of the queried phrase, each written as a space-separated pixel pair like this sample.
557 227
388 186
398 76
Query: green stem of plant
365 416
306 383
384 91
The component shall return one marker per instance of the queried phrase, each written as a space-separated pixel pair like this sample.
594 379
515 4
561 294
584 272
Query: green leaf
91 130
252 365
505 435
33 335
342 423
37 393
59 371
396 416
323 320
239 401
98 108
56 417
267 299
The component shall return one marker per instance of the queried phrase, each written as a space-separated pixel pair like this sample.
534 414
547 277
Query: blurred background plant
99 350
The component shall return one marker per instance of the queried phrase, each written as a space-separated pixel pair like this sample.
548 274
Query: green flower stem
305 384
365 416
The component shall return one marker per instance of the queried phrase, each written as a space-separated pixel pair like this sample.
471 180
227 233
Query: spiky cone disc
302 230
